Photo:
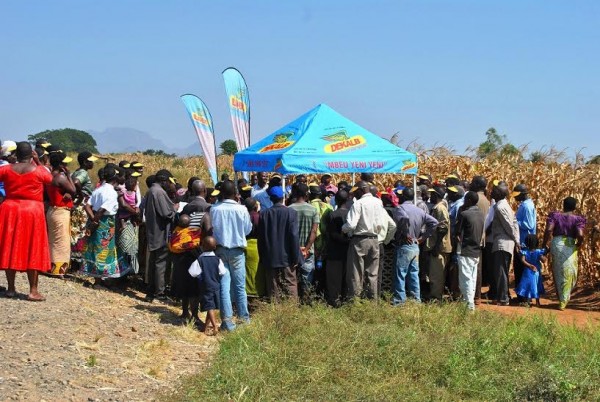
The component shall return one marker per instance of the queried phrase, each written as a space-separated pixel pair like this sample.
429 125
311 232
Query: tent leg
235 178
415 188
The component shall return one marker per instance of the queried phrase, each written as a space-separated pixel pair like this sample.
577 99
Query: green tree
496 145
228 147
158 152
68 139
595 160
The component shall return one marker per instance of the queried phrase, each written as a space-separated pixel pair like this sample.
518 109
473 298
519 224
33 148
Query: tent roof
324 141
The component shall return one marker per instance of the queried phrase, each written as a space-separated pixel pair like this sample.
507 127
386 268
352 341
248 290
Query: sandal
36 299
10 295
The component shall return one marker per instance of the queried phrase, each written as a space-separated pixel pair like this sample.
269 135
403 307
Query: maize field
548 182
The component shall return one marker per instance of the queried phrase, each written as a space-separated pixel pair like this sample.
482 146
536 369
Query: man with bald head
505 236
197 208
365 220
184 286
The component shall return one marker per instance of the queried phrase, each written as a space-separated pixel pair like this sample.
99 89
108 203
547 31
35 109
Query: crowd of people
214 248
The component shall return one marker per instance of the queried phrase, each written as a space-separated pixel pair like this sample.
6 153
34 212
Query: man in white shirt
366 220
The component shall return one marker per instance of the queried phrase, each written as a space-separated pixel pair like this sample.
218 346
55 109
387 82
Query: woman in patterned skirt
100 258
566 230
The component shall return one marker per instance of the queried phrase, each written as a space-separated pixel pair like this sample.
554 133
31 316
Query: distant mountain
127 139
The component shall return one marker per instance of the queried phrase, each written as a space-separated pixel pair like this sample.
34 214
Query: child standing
128 202
209 268
531 285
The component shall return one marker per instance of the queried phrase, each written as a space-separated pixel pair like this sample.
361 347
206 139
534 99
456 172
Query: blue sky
434 71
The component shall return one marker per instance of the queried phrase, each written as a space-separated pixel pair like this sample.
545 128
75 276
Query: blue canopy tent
324 141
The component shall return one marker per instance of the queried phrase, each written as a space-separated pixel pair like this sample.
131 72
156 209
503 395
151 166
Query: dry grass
549 183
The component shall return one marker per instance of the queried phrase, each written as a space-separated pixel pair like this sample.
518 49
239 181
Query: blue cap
276 192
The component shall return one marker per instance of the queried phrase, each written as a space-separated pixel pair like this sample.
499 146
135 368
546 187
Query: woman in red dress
23 246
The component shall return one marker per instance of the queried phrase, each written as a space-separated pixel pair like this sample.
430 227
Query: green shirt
84 178
322 209
307 217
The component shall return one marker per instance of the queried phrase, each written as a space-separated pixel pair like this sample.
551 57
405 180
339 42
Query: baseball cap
424 177
518 190
86 156
438 190
457 189
8 146
165 174
53 148
276 192
314 189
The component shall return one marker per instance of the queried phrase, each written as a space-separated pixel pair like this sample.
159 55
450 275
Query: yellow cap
247 188
172 180
215 193
137 165
45 145
136 174
67 159
92 158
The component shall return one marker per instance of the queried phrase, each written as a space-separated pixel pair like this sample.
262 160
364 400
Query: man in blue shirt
527 221
259 191
279 247
410 221
231 224
456 198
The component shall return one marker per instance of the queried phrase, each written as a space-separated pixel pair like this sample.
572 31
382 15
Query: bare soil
93 345
582 311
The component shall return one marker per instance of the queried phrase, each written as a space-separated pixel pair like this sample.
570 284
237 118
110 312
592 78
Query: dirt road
89 344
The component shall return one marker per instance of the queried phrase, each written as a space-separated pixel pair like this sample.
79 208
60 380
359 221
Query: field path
583 309
87 344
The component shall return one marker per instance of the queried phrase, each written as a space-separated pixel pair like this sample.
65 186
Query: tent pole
235 177
415 187
283 186
353 179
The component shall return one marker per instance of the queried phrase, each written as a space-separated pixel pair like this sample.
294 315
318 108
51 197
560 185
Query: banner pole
415 188
283 186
